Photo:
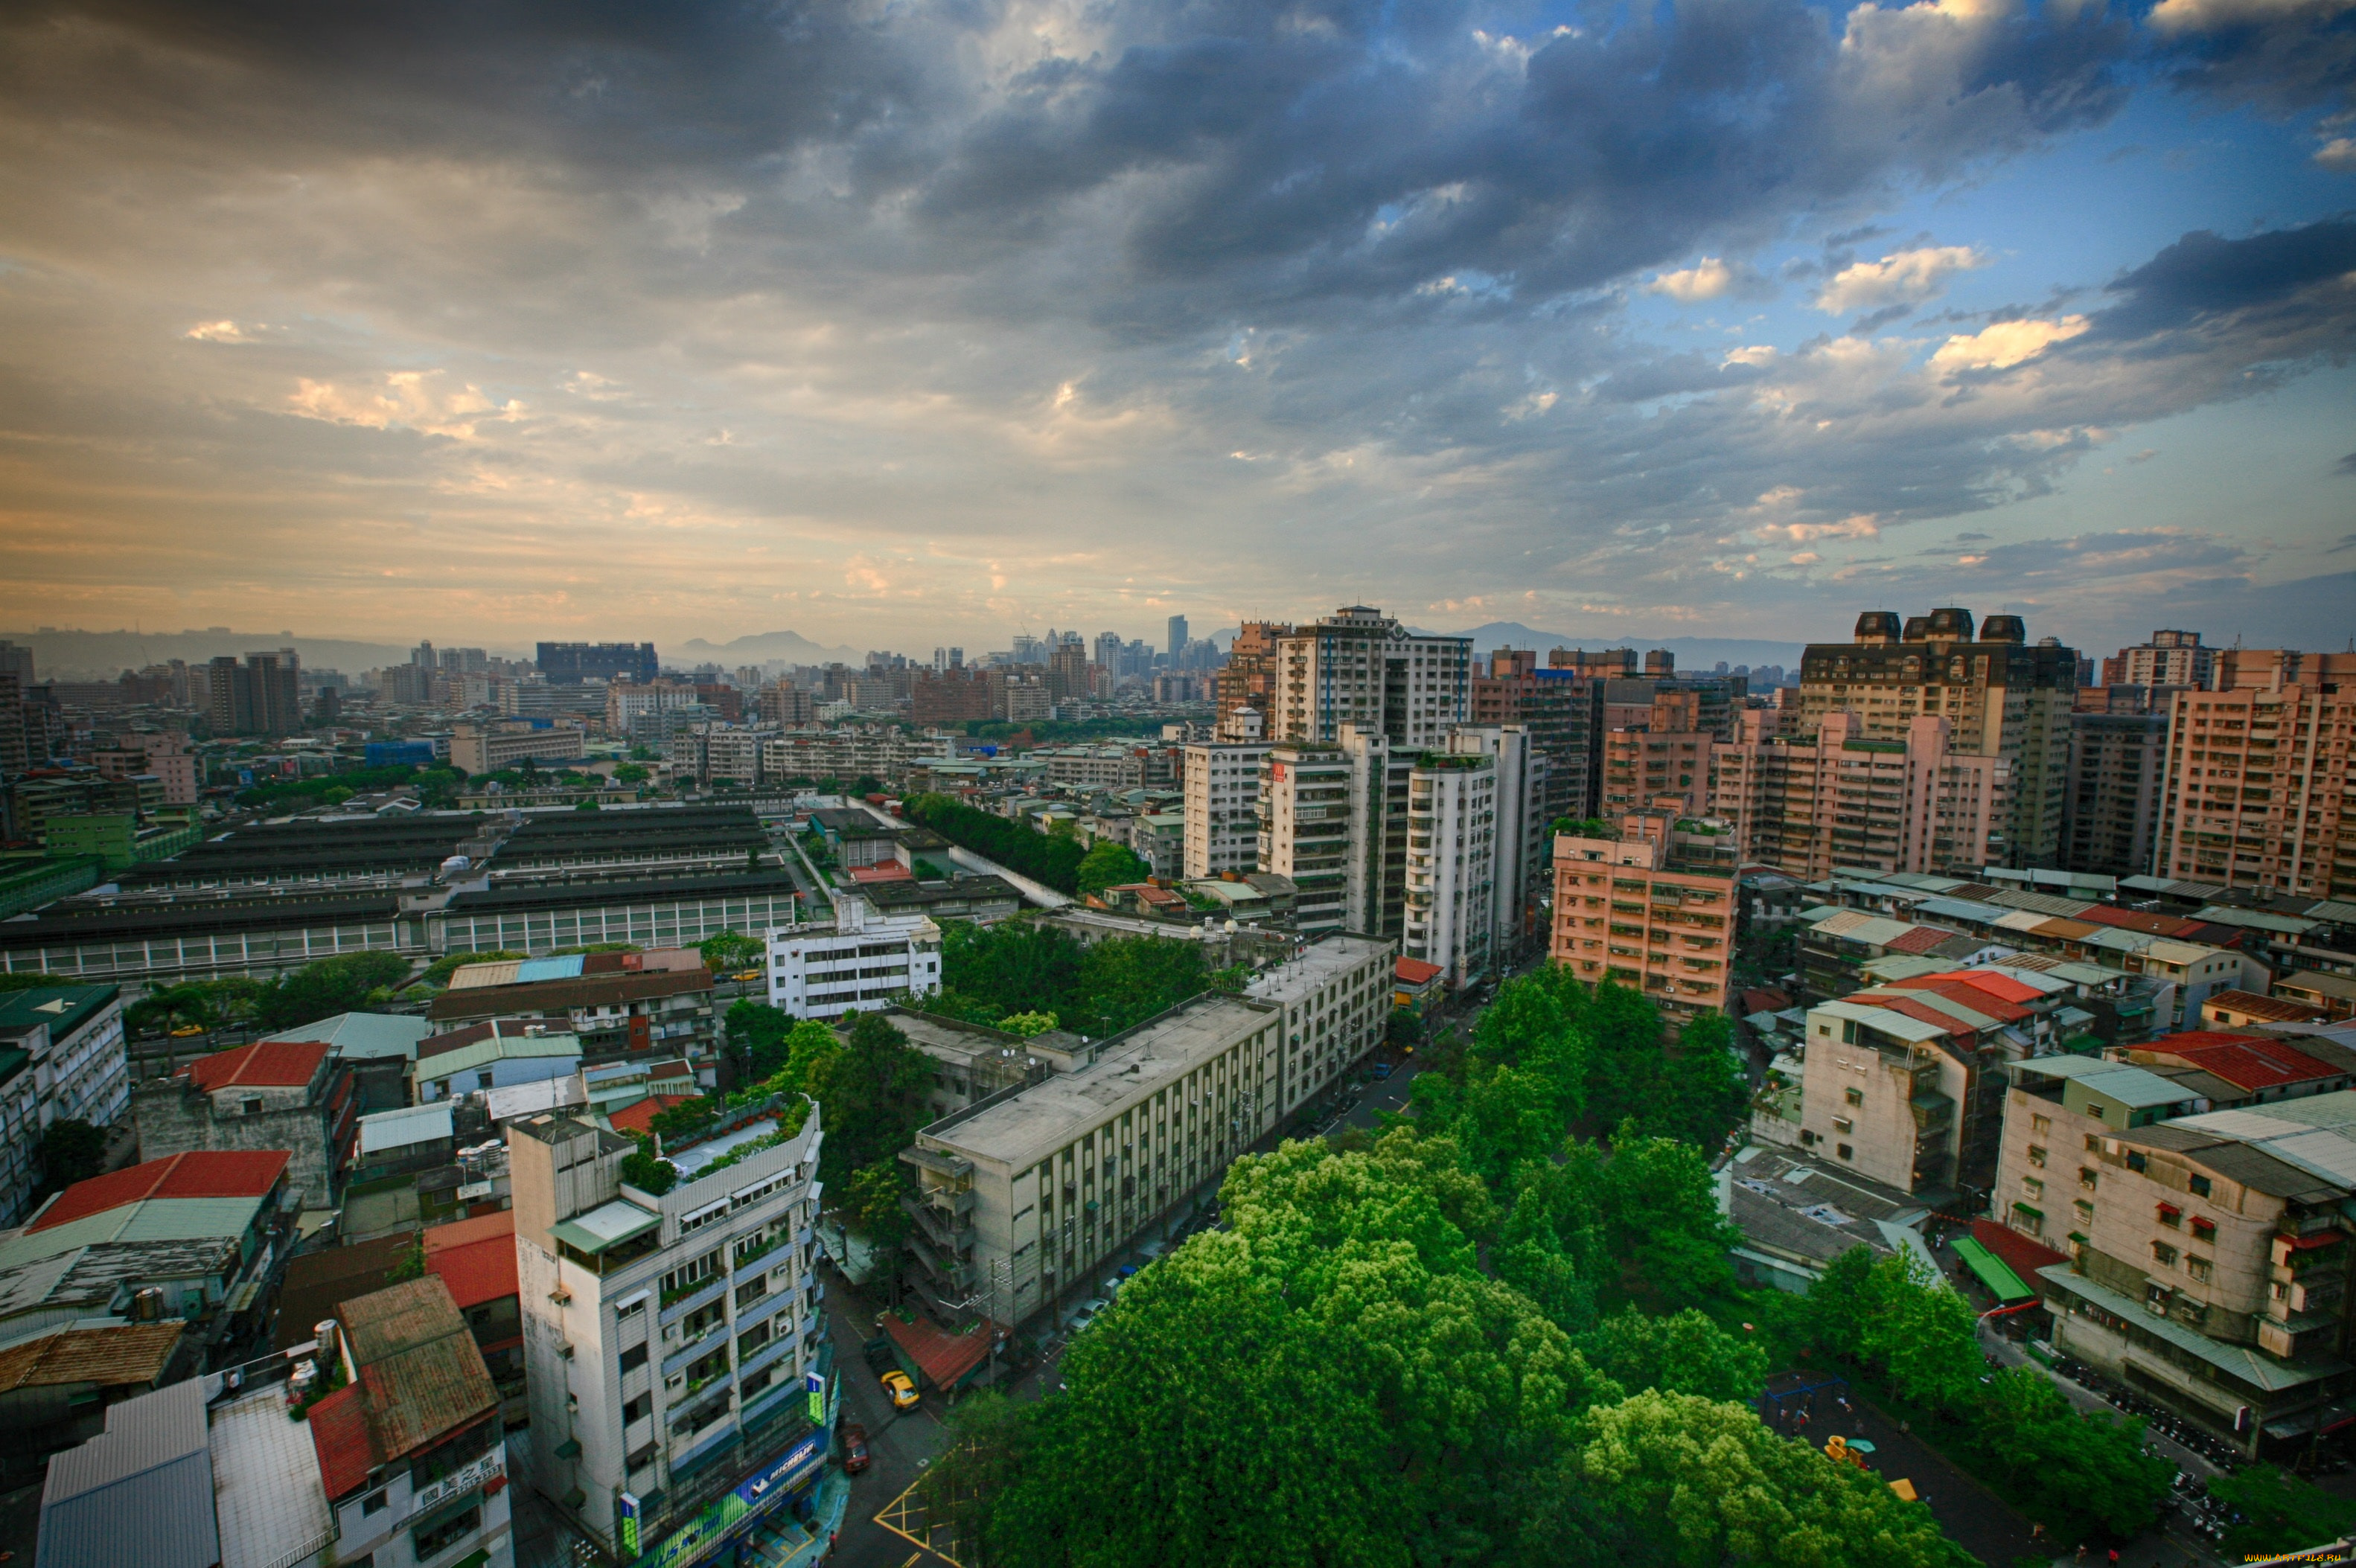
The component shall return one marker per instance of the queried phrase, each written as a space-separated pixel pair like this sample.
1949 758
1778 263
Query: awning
1992 1271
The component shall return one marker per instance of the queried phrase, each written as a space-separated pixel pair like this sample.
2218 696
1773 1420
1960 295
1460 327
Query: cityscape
1117 785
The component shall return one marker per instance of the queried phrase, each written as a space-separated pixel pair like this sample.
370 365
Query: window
2036 1156
2093 1144
2204 1230
1843 1125
2032 1187
1844 1151
635 1409
2171 1216
253 1105
2197 1267
2040 1123
374 1503
448 1533
2161 1252
2087 1176
2201 1187
1854 1096
634 1358
2028 1220
2085 1212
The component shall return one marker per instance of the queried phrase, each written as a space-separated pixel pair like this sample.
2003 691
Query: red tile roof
942 1358
198 1173
2003 987
2023 1256
1414 971
1920 1012
264 1064
339 1436
1918 939
640 1118
1973 997
2249 1062
476 1258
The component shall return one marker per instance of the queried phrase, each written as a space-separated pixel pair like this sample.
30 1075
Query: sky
906 322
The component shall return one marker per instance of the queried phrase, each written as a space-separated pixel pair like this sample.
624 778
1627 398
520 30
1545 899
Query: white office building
1336 994
668 1340
864 961
1451 864
1359 667
1222 809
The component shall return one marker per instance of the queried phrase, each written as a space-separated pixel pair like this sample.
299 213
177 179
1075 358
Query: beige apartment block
2254 793
1222 809
1625 911
489 748
1842 799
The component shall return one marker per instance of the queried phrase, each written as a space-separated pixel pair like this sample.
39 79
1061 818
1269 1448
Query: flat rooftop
1020 1130
1317 965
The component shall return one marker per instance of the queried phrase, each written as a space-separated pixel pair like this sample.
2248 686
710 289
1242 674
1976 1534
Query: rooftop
558 995
2267 1009
418 1363
267 1492
607 1225
353 1036
198 1173
640 1118
2250 1063
476 1258
264 1064
64 1009
411 1125
1316 965
130 1353
1019 1130
140 1491
2134 1087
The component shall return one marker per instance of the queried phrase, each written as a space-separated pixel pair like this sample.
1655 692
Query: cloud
1709 279
409 400
1901 277
2005 344
218 332
2337 155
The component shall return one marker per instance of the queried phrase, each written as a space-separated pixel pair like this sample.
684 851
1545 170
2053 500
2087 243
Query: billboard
756 1494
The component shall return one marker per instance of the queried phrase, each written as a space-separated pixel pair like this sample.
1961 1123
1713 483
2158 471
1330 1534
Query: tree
1109 865
873 1091
1682 1353
756 1033
642 1171
630 773
1704 1091
70 1150
730 952
2279 1513
1659 1201
409 1265
2079 1475
346 983
871 1204
1027 1024
1714 1486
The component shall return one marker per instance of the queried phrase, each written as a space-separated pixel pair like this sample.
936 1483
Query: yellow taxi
903 1392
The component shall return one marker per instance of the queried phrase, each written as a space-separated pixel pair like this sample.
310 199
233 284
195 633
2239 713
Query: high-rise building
1562 709
1611 664
422 655
2256 775
1360 667
2170 658
262 697
1222 794
1810 805
1451 864
1177 639
1067 671
1654 770
1653 908
17 660
2112 810
2002 698
668 1339
1248 678
1109 655
569 664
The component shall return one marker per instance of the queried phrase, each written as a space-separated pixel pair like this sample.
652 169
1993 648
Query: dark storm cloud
2203 276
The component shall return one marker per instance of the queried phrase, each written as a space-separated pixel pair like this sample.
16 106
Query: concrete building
490 1055
294 1097
1452 831
2170 658
261 697
1649 770
1360 667
1222 809
867 958
410 1451
1838 798
2001 697
668 1339
1248 678
1523 872
1336 998
2256 775
1562 710
1310 811
478 748
2204 1257
569 664
62 1057
2110 815
1654 909
668 1012
1022 1197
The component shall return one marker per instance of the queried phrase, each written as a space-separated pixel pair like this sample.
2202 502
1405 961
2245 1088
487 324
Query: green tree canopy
1109 865
730 952
872 1091
70 1150
1682 1353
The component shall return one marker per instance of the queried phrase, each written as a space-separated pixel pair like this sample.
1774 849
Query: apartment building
1307 827
1523 873
668 1340
62 1056
492 747
1451 865
2202 1255
1222 809
1360 667
612 1013
261 697
1248 678
1836 798
2256 775
270 1096
2170 658
1562 710
627 701
2110 815
570 663
1021 1200
1336 998
1650 770
1654 909
2002 699
728 754
862 961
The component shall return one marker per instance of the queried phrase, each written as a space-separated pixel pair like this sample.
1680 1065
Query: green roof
1993 1271
149 1220
64 1009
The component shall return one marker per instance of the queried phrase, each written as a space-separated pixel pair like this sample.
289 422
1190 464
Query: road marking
911 1559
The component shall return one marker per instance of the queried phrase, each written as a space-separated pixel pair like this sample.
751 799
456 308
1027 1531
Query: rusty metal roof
419 1364
133 1353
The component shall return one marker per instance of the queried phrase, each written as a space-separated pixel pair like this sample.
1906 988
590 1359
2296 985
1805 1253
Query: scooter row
2156 1417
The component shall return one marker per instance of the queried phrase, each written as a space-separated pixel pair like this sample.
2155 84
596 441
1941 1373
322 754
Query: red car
854 1450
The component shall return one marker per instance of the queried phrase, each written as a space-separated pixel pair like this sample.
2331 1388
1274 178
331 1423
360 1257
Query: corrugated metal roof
2256 919
197 1173
2043 903
358 1035
264 1064
140 1491
400 1130
419 1364
131 1353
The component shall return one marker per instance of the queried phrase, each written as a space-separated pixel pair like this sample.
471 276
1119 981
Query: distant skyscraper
569 664
1177 638
422 655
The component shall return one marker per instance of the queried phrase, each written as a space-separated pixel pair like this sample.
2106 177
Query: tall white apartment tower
669 1341
1451 863
1524 866
1359 667
1221 806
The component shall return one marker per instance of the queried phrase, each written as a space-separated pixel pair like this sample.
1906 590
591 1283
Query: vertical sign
816 1384
629 1522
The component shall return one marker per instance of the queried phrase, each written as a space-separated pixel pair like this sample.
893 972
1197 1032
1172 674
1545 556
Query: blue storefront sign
753 1497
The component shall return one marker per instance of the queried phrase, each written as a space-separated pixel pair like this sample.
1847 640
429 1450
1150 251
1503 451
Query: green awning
1993 1271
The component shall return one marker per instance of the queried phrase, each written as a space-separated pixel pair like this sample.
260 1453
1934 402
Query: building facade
861 964
62 1056
1360 667
1222 809
1336 999
492 747
668 1340
2111 815
2256 777
1625 910
2170 658
1809 803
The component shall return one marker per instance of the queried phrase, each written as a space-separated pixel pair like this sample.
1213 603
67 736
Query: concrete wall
172 1120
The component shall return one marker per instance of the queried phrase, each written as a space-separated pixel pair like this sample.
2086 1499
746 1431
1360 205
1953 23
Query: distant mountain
760 648
103 656
1693 654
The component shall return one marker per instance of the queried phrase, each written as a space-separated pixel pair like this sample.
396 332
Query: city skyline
688 326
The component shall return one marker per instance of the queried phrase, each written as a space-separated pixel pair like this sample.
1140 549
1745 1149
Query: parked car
878 1352
1091 1310
855 1456
904 1393
1382 1070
